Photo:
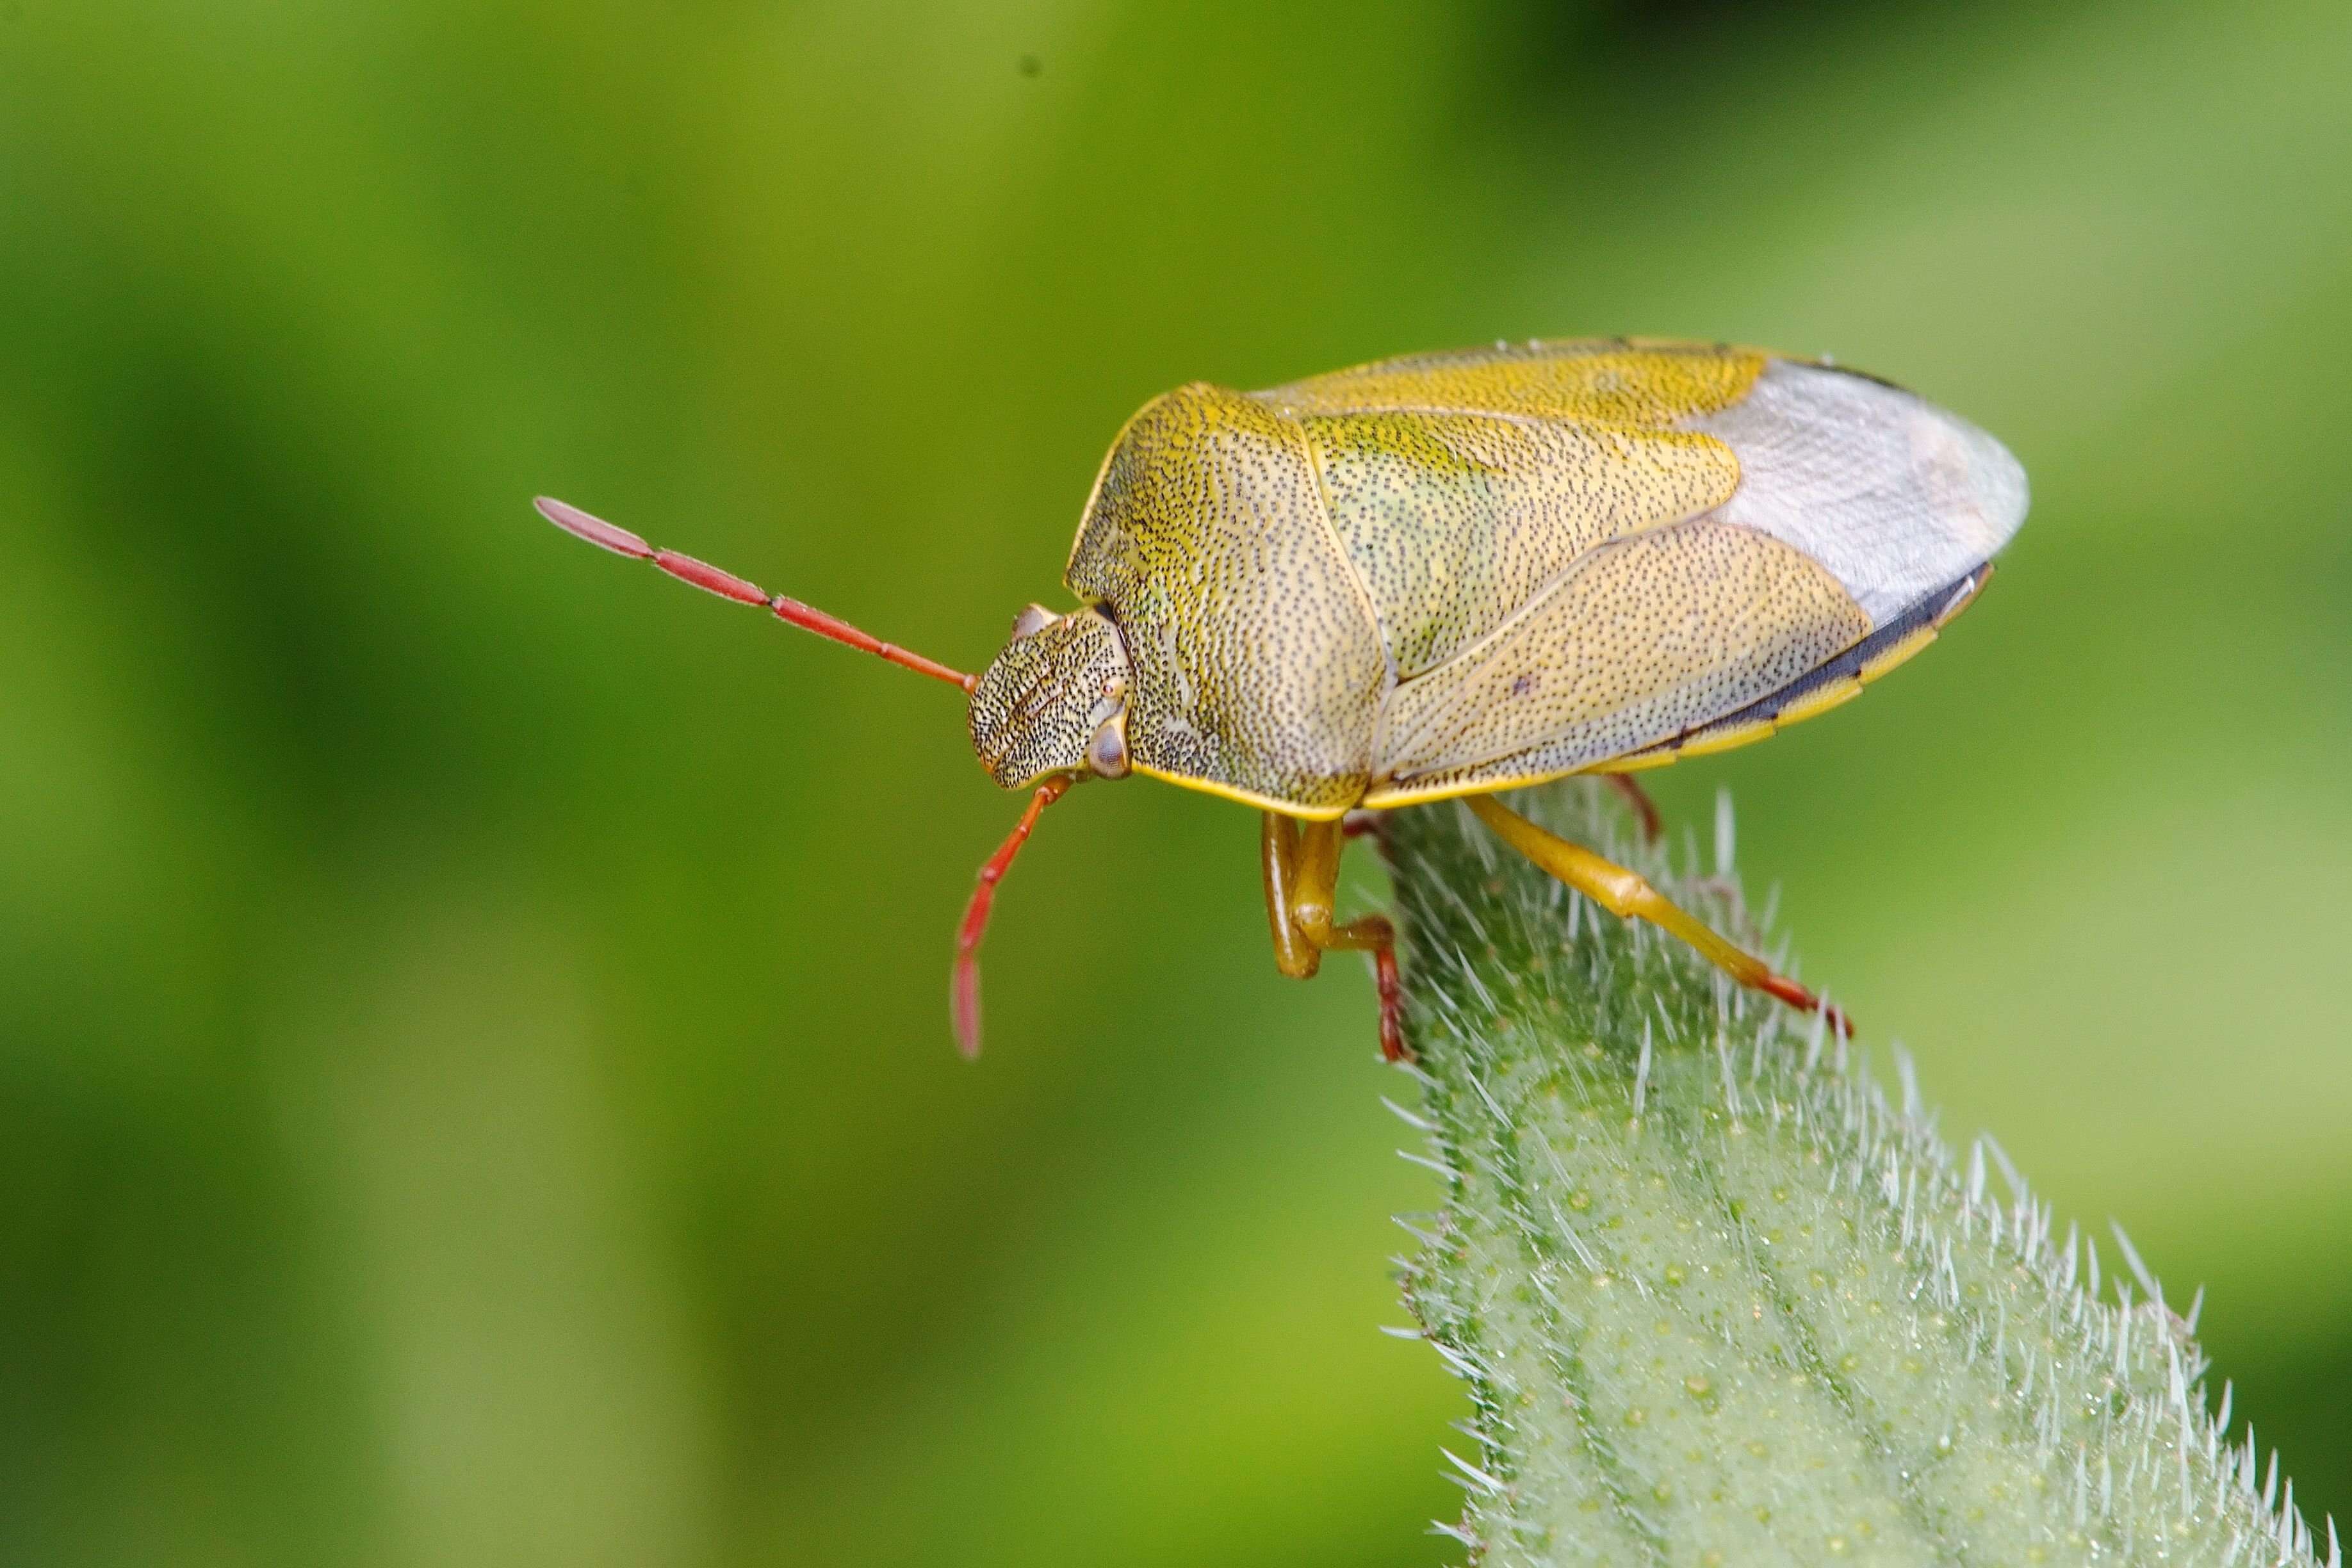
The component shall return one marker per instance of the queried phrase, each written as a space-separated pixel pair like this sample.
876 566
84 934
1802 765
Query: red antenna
964 991
726 585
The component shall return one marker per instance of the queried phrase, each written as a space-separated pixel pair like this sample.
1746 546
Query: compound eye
1032 621
1106 752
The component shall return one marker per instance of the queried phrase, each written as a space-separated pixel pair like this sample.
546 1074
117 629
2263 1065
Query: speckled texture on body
1431 573
1257 661
1039 702
1455 521
1665 631
1607 381
1823 686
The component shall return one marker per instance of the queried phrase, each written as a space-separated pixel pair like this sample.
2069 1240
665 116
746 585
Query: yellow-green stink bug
1451 575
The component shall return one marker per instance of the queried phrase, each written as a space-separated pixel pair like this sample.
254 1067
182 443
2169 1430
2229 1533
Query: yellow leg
1278 860
1628 896
1301 865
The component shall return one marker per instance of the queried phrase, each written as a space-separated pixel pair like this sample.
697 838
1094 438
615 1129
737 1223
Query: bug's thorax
1054 701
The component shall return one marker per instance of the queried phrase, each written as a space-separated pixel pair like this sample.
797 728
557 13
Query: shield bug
1453 574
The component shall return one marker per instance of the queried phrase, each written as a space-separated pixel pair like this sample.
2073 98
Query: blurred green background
474 1077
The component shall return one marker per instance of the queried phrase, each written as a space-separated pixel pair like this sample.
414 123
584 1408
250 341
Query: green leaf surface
1720 1298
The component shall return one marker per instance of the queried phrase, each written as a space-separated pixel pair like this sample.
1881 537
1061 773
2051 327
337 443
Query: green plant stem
1720 1299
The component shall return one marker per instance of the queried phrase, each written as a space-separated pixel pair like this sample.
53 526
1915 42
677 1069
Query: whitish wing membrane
1896 497
1856 503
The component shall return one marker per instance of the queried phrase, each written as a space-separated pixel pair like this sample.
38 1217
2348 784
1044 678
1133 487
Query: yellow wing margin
1839 682
1643 383
1831 685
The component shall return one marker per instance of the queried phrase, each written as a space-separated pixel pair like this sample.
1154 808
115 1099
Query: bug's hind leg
1301 867
1628 896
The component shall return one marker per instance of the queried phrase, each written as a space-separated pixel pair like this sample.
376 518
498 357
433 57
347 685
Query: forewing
1858 507
1644 639
1825 686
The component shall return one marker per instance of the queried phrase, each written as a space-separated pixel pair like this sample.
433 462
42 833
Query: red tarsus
1797 997
1391 989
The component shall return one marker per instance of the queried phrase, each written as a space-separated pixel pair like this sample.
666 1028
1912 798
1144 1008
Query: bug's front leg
1628 896
1301 867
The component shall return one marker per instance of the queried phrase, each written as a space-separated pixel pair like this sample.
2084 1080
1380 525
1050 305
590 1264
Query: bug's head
1053 703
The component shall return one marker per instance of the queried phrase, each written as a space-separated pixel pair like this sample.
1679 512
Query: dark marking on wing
1932 611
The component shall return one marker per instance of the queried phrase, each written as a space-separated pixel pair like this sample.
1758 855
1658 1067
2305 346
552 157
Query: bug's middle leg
1301 867
1628 896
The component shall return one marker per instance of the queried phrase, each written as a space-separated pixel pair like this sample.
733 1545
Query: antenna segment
726 585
